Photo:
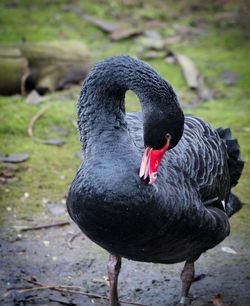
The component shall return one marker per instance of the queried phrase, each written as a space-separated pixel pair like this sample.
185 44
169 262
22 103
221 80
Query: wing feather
201 155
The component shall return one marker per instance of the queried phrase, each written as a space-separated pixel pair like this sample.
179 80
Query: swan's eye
168 136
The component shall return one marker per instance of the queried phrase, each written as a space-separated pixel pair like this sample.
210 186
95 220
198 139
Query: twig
41 287
18 288
37 227
66 289
23 80
55 142
35 282
34 119
88 294
69 242
8 290
53 287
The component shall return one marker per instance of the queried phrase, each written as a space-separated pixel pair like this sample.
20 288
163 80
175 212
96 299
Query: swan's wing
201 155
203 159
134 123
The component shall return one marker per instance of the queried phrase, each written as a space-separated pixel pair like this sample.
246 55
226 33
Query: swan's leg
187 277
114 266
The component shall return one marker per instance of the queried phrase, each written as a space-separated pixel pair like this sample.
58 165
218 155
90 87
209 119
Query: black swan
151 206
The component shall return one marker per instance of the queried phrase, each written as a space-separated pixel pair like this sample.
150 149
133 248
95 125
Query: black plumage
182 214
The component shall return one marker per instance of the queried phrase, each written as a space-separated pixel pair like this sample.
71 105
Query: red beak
150 163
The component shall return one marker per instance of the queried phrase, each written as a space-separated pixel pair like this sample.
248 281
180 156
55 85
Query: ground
50 257
220 49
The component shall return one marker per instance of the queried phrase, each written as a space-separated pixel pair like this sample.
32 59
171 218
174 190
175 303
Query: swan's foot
114 266
187 277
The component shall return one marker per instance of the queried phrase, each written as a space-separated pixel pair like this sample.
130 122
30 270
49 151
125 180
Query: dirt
57 256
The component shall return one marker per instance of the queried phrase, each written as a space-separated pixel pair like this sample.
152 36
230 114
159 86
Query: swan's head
162 132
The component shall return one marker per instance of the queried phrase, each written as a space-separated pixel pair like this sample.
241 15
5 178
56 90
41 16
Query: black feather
235 163
173 220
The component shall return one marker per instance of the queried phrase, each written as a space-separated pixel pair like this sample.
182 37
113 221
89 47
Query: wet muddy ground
57 256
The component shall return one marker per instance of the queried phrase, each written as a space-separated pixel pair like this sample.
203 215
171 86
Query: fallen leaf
8 173
228 250
217 300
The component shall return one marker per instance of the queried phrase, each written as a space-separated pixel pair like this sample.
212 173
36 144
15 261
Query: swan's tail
233 205
235 166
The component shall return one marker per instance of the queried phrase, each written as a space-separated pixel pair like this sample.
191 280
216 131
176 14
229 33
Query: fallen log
13 66
193 78
45 66
189 71
54 65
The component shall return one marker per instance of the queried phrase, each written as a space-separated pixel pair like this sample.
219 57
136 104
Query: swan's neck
101 104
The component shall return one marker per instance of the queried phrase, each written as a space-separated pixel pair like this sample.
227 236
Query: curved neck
101 104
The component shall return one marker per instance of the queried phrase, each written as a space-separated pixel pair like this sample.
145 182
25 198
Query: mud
53 258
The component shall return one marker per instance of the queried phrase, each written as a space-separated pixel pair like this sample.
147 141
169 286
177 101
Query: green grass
49 171
50 168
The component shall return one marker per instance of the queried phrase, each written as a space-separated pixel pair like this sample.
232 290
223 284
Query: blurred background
46 50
